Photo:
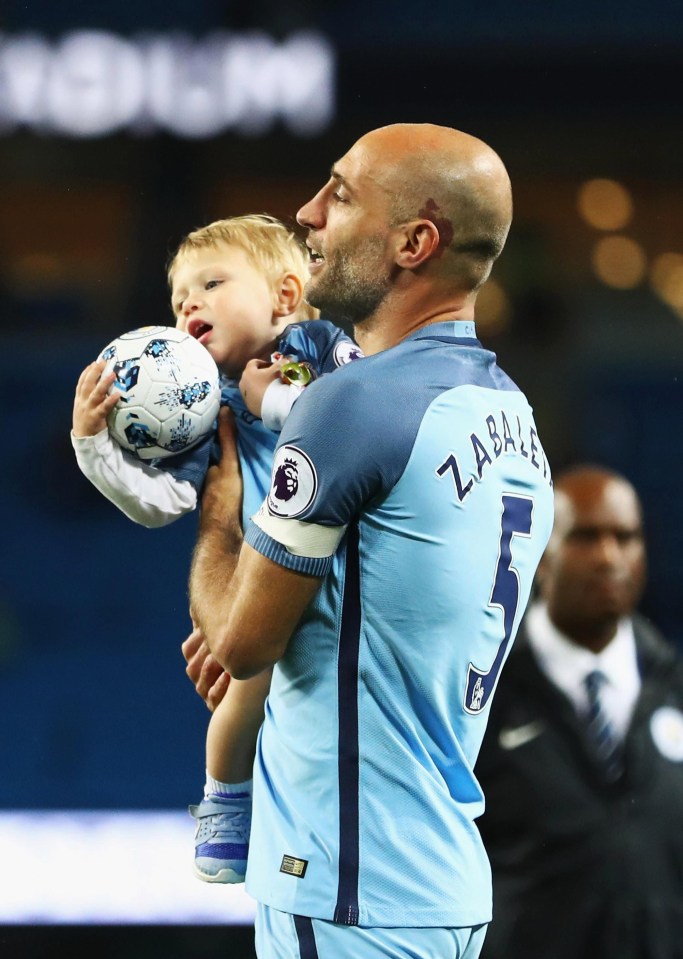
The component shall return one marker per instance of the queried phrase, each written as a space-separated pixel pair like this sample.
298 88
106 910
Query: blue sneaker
222 838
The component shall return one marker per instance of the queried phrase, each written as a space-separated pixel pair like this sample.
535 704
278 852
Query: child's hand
257 377
91 404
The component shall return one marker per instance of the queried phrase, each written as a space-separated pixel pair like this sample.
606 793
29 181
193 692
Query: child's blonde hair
268 243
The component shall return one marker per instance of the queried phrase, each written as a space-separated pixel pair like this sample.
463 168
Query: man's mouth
316 259
199 329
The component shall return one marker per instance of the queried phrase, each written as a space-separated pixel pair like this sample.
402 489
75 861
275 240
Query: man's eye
584 535
628 536
339 198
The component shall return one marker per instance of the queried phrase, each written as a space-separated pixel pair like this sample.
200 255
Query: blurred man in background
582 762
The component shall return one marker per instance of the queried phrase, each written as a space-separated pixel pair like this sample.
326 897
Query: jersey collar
460 330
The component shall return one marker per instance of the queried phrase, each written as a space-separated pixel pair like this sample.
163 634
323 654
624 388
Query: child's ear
288 295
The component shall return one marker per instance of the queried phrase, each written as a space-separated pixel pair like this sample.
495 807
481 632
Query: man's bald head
579 489
451 178
406 230
593 569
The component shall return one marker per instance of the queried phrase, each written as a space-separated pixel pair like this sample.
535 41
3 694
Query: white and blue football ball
170 392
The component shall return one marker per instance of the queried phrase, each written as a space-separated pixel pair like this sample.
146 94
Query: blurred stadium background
122 127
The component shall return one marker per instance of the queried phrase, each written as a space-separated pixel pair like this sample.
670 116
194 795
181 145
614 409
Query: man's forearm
239 599
246 605
214 562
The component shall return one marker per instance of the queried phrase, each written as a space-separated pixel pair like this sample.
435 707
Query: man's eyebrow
336 175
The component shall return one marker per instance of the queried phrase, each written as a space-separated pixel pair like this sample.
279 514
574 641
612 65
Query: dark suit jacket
583 867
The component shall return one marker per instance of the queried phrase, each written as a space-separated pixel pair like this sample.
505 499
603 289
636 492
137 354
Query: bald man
386 580
585 831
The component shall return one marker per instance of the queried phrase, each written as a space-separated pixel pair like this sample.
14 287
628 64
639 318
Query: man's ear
418 242
289 291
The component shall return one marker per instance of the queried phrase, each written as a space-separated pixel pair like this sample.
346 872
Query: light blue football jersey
425 458
317 342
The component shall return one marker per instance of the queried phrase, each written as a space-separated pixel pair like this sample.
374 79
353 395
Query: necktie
599 728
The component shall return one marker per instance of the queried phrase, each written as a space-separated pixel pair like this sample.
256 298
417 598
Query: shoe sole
223 875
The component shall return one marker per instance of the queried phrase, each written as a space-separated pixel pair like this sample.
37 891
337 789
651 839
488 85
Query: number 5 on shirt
515 521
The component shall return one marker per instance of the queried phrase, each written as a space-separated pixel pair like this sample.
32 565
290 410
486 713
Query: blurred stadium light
94 83
85 867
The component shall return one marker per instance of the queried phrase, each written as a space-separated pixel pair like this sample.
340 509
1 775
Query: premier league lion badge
294 483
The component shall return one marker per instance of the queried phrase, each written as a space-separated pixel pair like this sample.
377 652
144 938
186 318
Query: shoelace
223 824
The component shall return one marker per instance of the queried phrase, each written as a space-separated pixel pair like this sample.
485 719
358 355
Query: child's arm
266 394
317 347
147 495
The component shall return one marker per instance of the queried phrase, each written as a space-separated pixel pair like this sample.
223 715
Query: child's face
222 300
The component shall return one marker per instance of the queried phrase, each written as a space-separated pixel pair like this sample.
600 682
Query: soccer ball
170 392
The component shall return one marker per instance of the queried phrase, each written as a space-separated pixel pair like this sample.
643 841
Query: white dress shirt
566 664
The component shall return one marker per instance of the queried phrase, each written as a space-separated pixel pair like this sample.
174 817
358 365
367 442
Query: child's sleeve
150 496
277 402
320 344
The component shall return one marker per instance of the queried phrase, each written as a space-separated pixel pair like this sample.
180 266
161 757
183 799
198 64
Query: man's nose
312 214
608 548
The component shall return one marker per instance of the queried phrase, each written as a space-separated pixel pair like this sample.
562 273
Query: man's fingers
192 643
209 674
218 690
195 663
209 678
227 431
196 653
211 670
227 438
194 672
202 668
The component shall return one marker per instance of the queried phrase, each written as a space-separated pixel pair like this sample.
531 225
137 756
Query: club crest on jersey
294 483
345 352
666 728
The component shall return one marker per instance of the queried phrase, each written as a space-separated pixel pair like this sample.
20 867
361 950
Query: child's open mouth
199 330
